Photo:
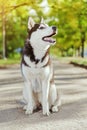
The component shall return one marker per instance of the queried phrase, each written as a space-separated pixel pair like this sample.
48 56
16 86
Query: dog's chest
35 67
37 84
35 75
37 64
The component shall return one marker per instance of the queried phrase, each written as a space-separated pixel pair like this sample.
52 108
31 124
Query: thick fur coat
37 69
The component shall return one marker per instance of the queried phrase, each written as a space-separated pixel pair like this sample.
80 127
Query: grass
13 60
6 62
76 60
73 60
80 61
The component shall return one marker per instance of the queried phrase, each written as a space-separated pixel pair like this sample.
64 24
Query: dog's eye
41 27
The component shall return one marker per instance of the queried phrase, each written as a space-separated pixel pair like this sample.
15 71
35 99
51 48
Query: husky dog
37 69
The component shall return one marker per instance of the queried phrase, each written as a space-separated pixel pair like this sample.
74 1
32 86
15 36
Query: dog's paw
46 112
45 108
28 112
55 109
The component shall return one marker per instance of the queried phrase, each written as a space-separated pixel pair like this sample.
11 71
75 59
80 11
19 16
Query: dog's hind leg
54 98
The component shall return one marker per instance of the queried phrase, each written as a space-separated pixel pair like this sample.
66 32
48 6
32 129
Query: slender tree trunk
79 51
82 44
4 34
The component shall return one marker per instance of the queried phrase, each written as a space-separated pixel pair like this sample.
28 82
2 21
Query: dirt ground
70 81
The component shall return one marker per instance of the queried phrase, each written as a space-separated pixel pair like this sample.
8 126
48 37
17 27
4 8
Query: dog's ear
31 23
42 20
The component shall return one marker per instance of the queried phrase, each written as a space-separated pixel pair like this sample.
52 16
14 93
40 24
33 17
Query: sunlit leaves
72 21
70 17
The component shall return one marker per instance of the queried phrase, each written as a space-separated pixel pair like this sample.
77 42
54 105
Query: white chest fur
36 76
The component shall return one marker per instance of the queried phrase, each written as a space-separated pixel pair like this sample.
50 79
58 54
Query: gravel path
70 80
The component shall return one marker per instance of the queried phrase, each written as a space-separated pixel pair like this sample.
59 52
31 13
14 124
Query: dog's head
41 34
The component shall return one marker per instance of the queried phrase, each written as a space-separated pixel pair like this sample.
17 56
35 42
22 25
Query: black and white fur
37 69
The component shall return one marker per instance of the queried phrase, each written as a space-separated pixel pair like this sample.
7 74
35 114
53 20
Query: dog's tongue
49 39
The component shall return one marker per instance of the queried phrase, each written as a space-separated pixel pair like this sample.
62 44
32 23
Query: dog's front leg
29 106
45 94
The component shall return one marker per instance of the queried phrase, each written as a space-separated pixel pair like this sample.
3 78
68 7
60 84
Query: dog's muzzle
49 37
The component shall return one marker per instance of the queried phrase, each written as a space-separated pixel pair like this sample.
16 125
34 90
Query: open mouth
49 38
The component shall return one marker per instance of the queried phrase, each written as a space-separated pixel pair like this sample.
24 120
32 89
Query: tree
71 15
7 10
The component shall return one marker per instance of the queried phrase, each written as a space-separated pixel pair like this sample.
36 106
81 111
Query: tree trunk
82 44
4 34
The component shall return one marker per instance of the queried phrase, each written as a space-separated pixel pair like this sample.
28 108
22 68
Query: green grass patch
12 60
76 60
6 62
80 61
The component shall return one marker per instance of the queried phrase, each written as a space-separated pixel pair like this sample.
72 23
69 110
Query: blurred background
70 17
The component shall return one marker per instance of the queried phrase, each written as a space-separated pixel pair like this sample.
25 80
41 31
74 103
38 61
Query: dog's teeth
49 39
46 38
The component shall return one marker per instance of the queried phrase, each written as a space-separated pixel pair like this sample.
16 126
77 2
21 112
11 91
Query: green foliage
72 23
69 16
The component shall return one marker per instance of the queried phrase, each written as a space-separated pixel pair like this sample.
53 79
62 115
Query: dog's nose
54 28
